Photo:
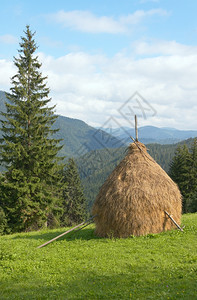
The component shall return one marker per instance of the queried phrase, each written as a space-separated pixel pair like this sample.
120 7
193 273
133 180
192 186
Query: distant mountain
152 134
2 100
78 137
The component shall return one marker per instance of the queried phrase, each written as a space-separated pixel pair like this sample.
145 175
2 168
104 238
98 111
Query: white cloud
139 15
93 87
8 39
86 21
162 48
7 71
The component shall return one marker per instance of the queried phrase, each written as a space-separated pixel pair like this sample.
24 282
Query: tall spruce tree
192 199
180 171
74 202
30 186
183 170
194 165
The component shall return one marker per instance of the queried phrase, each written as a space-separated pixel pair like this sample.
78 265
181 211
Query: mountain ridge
78 137
152 134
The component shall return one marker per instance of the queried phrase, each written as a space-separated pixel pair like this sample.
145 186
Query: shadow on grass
84 234
91 285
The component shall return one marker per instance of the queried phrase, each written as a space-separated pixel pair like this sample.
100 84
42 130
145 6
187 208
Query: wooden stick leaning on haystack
171 218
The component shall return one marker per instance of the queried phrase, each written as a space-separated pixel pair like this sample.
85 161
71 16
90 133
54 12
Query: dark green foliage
193 183
183 170
192 202
3 221
163 154
94 168
192 199
179 171
29 187
74 203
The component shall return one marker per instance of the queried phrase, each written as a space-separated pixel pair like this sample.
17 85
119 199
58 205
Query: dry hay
134 197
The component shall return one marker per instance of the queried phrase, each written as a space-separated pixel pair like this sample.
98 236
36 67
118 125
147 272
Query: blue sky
97 54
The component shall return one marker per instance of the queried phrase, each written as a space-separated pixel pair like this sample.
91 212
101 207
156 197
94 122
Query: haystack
134 198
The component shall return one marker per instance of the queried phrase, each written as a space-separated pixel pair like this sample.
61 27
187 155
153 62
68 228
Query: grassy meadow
82 266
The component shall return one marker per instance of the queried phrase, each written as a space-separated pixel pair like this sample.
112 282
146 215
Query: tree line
183 170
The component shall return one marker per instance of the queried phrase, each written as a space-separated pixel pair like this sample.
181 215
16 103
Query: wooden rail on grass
89 221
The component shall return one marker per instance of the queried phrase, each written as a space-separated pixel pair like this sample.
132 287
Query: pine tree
74 203
194 165
192 202
180 172
29 187
192 199
3 221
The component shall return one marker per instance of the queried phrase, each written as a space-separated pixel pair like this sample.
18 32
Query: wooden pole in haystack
136 131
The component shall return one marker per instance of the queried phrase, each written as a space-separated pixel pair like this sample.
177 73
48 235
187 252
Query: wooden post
171 218
64 233
136 131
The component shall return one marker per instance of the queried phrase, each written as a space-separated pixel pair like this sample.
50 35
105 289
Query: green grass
82 266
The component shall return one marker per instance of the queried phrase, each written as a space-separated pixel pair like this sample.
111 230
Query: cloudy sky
110 59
